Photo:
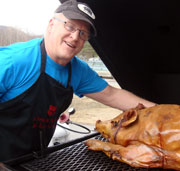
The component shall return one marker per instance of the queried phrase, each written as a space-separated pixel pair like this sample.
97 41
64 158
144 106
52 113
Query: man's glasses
71 28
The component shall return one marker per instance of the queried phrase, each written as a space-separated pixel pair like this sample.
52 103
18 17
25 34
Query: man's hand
64 117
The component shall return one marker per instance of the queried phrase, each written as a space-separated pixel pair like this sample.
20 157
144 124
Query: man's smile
70 44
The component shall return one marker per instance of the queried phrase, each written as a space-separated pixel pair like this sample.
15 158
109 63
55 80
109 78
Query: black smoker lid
139 42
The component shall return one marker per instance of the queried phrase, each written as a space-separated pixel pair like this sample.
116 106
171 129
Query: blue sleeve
6 72
19 68
90 81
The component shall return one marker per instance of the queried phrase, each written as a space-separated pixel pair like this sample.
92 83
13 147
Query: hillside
9 35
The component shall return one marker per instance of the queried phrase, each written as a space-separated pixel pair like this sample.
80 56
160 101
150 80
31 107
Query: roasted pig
142 137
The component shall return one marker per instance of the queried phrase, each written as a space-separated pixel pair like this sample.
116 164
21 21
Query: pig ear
129 117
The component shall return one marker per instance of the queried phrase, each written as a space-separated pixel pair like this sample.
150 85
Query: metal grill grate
78 158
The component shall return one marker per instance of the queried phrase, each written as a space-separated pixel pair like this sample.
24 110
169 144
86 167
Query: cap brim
76 16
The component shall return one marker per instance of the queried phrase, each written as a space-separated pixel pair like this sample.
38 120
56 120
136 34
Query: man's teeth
69 44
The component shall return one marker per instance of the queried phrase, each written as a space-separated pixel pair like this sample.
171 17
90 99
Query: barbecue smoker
138 41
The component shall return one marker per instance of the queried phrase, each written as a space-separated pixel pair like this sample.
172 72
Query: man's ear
50 24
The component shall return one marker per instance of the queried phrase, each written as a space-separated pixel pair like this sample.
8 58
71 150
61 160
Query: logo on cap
86 10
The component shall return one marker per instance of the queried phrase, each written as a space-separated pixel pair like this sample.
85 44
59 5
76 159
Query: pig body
142 137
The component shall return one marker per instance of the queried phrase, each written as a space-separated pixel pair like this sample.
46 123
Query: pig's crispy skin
138 155
142 137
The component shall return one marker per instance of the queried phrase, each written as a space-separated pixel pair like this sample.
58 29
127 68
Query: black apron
24 119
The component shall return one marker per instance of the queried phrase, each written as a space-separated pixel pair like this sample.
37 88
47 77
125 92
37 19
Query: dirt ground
89 111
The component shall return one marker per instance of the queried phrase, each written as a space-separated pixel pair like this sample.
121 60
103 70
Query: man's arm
118 98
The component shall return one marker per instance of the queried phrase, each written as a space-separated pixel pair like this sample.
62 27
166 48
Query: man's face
63 45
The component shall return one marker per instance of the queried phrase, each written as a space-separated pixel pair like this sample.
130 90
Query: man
38 79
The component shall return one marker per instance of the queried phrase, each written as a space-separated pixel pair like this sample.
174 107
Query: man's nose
75 35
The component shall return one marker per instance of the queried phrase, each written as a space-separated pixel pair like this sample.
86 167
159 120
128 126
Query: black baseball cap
74 10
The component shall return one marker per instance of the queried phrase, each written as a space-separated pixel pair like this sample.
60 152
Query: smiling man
38 79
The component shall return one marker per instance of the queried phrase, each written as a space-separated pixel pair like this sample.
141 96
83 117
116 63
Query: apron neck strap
43 62
69 74
43 56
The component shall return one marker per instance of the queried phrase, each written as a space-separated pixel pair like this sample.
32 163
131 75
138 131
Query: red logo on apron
52 110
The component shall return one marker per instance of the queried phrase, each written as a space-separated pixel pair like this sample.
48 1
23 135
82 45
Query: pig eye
114 123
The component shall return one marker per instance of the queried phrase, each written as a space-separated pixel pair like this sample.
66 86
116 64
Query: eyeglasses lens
71 28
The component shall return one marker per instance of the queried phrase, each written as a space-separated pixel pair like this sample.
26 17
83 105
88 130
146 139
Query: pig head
121 129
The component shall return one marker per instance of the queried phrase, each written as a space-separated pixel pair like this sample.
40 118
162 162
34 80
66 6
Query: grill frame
77 157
